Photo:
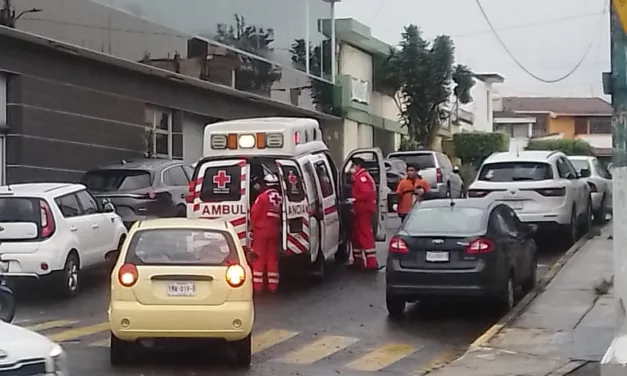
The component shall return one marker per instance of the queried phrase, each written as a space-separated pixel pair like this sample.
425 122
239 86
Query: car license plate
181 289
437 256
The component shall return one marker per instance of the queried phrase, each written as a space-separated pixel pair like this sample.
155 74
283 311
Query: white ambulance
316 212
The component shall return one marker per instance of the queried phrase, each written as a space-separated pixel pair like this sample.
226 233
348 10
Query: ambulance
316 194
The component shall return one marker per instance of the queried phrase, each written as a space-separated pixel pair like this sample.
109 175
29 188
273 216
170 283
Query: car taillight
235 275
479 246
551 192
593 187
128 275
438 175
47 221
398 245
478 193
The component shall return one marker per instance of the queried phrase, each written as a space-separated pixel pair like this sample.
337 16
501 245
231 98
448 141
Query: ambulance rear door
295 205
376 167
219 190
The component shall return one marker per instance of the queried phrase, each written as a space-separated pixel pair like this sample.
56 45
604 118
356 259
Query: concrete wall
481 106
563 124
356 63
193 135
384 106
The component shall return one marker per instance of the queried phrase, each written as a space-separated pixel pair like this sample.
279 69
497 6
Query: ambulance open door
376 168
295 215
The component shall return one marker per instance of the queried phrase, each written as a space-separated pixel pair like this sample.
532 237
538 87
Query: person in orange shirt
412 185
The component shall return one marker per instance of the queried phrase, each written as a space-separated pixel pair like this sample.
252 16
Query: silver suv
436 168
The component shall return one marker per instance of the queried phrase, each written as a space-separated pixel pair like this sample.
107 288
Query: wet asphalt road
339 327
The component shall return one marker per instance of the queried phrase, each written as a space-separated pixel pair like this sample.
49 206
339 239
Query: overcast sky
548 37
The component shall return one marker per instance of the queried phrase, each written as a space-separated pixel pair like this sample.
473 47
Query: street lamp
34 10
8 17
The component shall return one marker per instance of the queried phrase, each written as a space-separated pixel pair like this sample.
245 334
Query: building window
159 135
600 125
581 125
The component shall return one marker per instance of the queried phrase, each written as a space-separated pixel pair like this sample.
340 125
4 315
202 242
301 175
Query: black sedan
460 249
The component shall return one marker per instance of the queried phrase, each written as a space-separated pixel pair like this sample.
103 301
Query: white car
600 181
543 187
52 231
23 352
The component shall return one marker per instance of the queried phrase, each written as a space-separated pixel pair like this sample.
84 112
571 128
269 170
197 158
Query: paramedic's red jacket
364 192
265 214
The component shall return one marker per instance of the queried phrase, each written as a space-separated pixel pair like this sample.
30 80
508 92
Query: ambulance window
294 183
309 173
325 180
221 183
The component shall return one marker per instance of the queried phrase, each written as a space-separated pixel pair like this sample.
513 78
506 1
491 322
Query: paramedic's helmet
271 180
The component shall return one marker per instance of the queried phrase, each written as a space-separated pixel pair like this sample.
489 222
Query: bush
568 147
473 148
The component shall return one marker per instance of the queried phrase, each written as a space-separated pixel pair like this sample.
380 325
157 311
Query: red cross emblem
221 179
275 199
291 178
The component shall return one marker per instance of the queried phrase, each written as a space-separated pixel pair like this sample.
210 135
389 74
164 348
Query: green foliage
568 147
424 74
322 93
252 75
407 144
474 148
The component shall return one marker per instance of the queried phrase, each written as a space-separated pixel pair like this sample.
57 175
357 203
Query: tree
422 77
473 148
322 93
252 75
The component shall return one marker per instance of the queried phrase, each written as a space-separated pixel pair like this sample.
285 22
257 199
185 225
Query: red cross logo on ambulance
221 179
293 180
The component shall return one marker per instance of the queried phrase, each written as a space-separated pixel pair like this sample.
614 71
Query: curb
495 329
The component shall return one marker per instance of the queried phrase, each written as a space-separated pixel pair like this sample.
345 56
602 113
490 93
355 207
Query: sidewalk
565 327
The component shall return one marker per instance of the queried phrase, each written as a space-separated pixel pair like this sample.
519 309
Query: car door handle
73 229
94 226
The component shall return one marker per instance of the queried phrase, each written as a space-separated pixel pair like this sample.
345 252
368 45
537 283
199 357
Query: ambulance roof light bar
246 141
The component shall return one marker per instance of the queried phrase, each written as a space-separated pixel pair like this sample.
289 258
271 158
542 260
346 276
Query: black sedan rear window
445 220
515 171
182 247
117 180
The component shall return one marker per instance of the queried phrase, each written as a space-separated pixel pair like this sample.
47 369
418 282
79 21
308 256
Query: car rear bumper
181 321
413 284
561 217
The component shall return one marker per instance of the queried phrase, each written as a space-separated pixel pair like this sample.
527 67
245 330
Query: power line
551 21
521 66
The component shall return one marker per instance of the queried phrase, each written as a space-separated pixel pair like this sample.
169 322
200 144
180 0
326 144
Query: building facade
371 118
90 82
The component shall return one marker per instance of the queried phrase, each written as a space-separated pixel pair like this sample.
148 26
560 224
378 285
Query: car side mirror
109 208
585 173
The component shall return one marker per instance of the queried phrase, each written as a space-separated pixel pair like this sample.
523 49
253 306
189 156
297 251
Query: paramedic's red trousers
267 263
363 242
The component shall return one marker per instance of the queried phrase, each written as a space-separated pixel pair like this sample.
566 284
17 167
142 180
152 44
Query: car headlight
57 362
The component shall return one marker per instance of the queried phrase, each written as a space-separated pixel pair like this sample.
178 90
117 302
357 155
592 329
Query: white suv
542 187
53 230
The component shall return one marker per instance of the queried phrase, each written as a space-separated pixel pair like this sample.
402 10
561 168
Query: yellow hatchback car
181 280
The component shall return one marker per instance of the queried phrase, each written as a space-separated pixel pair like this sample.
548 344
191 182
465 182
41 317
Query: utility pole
615 360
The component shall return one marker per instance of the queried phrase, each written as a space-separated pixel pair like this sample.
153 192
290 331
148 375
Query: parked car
436 168
148 188
600 182
543 187
24 352
195 284
53 231
472 249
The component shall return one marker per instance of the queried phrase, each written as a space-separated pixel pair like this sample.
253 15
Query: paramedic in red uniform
265 220
364 207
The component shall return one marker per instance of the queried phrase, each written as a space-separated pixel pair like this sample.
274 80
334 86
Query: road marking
382 357
76 333
270 338
50 325
102 343
443 358
318 350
